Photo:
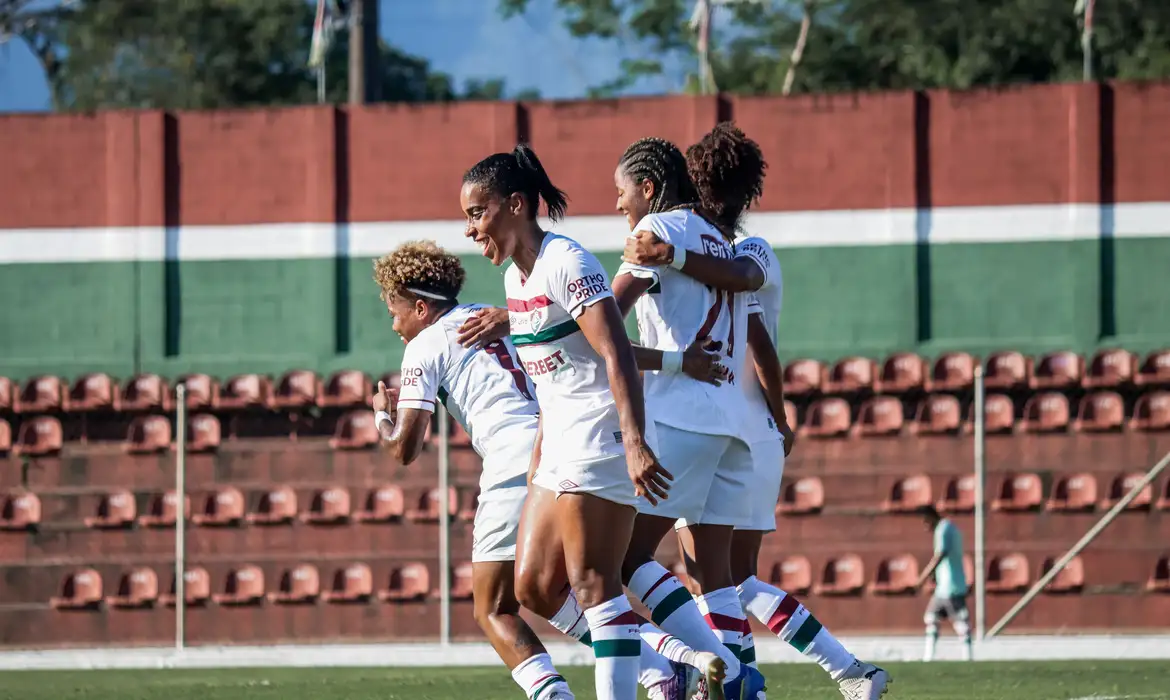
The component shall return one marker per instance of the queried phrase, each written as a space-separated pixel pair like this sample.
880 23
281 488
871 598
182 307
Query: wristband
672 360
680 257
383 416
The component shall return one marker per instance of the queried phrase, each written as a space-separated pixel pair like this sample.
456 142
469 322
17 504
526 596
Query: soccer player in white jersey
756 269
598 456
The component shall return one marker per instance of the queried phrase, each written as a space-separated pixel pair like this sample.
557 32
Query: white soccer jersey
768 300
581 422
484 389
676 311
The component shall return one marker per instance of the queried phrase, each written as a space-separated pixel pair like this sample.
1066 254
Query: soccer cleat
714 674
748 685
680 687
864 682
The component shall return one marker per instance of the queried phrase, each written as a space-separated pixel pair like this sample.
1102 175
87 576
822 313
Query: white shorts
712 475
767 471
607 478
497 521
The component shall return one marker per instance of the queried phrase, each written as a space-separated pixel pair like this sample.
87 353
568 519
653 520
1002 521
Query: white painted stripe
807 229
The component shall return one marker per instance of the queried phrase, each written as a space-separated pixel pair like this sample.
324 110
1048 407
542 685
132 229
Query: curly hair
419 270
727 168
660 162
519 171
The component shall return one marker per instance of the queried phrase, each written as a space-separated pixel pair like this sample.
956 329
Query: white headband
429 295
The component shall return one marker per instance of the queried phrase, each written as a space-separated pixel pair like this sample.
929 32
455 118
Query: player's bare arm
735 275
534 463
405 430
603 328
771 376
484 326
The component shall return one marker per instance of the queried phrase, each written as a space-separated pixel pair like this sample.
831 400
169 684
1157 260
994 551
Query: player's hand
646 249
701 361
789 438
651 480
484 326
384 401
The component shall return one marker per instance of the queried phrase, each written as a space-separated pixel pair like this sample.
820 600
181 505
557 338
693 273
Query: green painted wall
270 316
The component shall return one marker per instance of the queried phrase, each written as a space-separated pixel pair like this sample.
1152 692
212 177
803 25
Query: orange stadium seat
93 392
805 496
468 504
223 507
204 433
909 494
41 395
300 584
1123 484
462 586
277 506
346 388
937 414
1008 573
1070 579
383 505
80 590
352 584
842 576
245 391
138 588
851 375
791 415
1046 412
1073 493
163 510
1152 412
1100 411
902 373
297 388
21 511
792 574
356 431
1160 580
895 575
1007 371
1019 493
827 418
117 509
244 585
952 372
1155 371
329 507
1063 369
959 496
804 378
196 587
8 394
1163 502
146 392
879 416
202 391
1110 369
999 414
430 505
392 380
148 435
412 581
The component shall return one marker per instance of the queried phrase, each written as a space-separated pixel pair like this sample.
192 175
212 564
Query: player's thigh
764 491
729 499
595 533
692 459
493 585
541 579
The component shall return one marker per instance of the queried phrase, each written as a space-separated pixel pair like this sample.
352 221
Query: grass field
1136 680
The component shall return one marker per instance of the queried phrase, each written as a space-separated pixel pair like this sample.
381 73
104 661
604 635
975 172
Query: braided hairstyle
520 171
660 162
727 168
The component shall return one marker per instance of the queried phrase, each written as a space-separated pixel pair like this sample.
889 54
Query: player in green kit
950 583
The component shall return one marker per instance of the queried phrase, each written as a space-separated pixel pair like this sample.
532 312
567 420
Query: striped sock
724 613
570 619
674 610
667 645
793 623
747 653
617 649
537 676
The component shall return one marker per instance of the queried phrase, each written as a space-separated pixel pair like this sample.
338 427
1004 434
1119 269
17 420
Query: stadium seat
1123 484
1152 412
93 392
803 378
383 505
851 375
5 437
244 585
224 507
138 588
245 391
41 394
1063 369
1100 411
202 391
392 380
352 584
1070 579
204 433
879 416
329 507
468 504
827 418
896 575
1046 412
346 388
902 373
298 388
1073 493
164 510
952 372
1110 369
356 431
21 511
300 584
462 586
8 394
409 582
909 494
1160 580
117 509
80 590
1163 502
430 506
792 574
145 392
959 496
937 414
1007 371
999 414
1155 371
805 496
148 435
791 414
1019 493
842 576
1008 573
196 587
277 506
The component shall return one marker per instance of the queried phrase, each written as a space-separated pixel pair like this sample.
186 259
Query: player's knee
593 588
533 592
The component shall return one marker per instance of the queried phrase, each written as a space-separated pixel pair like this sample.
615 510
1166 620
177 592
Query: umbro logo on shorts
617 437
566 485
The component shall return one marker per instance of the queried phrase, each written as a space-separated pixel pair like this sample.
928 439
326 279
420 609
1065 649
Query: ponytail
519 171
727 168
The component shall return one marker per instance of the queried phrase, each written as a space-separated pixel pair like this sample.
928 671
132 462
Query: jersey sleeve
578 282
758 251
753 304
652 223
421 374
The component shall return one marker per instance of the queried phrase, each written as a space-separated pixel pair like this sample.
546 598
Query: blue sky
465 38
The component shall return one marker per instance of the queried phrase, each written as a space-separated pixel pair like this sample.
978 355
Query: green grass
938 681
